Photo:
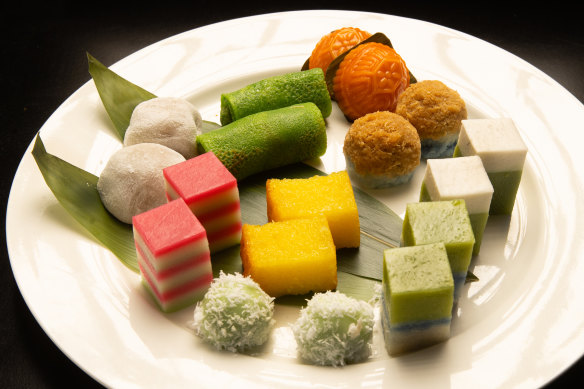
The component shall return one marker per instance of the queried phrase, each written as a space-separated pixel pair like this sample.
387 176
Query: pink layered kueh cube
173 255
211 192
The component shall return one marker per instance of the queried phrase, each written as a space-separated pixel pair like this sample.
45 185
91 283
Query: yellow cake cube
290 257
331 196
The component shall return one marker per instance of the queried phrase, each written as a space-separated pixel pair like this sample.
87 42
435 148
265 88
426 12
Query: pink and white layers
173 255
211 192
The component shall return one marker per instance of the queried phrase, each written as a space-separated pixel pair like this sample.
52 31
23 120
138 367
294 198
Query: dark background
43 62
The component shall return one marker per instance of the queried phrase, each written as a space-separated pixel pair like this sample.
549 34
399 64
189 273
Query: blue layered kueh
438 148
376 181
406 337
459 280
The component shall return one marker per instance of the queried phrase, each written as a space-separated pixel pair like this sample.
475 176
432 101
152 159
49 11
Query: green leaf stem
76 190
119 96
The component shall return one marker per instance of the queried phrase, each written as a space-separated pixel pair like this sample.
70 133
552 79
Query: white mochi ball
169 121
132 181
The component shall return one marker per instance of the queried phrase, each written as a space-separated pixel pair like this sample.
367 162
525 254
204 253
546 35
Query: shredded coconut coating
334 329
434 109
169 121
382 143
235 314
132 181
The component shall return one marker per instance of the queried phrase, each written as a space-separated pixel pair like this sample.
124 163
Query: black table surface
43 61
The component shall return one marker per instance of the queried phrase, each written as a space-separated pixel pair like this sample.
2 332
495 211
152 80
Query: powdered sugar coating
169 121
132 180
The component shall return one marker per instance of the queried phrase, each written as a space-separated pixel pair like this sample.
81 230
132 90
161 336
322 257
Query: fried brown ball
434 109
382 149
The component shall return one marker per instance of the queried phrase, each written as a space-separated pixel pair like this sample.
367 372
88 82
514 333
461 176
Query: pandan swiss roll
277 92
268 139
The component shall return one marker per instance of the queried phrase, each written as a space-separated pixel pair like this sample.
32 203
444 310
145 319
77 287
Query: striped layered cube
417 297
211 192
465 179
173 255
499 145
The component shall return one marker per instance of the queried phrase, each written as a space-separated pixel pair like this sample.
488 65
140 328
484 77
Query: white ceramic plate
521 325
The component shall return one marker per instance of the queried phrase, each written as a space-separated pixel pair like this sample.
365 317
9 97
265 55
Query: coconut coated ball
132 180
334 329
235 314
169 121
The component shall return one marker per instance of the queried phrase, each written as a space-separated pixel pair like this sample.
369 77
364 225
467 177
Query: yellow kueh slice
331 196
290 257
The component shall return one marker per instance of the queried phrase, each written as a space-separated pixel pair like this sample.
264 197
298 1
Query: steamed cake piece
211 192
436 111
169 121
462 178
417 297
331 196
502 151
444 222
132 181
290 257
173 255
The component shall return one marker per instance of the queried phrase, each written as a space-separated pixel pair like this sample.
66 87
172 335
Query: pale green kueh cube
417 297
499 145
462 178
444 222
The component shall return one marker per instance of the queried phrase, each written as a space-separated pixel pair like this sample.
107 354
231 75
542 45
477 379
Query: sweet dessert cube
461 178
502 151
211 193
291 257
173 255
331 196
444 222
417 297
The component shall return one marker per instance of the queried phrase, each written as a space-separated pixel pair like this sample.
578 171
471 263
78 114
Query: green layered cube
444 222
465 179
498 143
418 283
417 297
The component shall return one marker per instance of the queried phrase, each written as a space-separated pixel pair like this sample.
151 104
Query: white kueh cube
462 178
502 150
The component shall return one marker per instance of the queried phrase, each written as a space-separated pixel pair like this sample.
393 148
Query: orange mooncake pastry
369 79
334 44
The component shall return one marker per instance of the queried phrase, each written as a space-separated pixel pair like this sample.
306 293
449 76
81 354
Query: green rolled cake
417 297
498 143
277 92
268 139
444 222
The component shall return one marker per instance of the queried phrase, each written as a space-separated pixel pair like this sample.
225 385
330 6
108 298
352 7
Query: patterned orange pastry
334 44
369 79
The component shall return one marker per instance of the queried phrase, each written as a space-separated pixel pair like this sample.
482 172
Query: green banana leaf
359 270
119 96
76 190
